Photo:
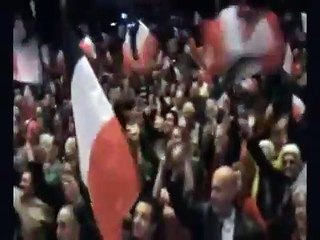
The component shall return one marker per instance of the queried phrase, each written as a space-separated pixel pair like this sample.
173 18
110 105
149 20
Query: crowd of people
216 161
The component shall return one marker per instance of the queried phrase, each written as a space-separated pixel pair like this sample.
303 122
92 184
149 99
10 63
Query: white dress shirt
228 226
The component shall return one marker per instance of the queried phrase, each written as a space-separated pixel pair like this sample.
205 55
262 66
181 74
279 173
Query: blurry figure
67 226
36 217
171 120
300 200
52 166
244 199
245 29
291 161
70 149
196 216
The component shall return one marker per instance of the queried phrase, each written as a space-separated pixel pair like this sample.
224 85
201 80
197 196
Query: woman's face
26 183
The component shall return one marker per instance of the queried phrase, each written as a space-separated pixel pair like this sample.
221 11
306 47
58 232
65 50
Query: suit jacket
202 222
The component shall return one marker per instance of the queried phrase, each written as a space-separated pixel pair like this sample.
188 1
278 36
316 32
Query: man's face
142 220
66 226
291 165
133 131
26 184
222 193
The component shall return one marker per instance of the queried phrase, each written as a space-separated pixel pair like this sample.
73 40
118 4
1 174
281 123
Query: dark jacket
271 196
202 222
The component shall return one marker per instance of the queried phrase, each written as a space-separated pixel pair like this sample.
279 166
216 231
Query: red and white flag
147 50
106 165
227 39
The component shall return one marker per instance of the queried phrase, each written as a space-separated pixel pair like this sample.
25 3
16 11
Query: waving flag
225 41
106 165
147 50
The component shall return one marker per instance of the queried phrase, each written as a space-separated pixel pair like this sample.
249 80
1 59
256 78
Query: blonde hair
46 141
70 145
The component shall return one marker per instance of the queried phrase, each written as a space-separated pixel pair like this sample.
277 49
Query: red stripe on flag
113 179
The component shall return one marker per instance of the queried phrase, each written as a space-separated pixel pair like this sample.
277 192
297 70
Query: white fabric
91 109
258 44
141 36
297 102
288 60
301 183
304 21
29 69
28 96
228 226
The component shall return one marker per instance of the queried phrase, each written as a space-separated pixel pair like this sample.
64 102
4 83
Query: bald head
226 175
224 187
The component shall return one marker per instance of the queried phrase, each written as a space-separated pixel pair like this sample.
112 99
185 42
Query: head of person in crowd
146 218
158 123
70 149
133 131
26 184
299 197
171 120
225 186
268 149
32 131
179 134
176 155
68 227
188 111
57 123
179 99
211 110
18 100
47 142
279 134
221 140
291 162
194 90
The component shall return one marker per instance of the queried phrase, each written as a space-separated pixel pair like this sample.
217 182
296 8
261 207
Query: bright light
124 15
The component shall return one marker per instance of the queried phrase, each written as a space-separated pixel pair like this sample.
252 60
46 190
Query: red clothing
250 208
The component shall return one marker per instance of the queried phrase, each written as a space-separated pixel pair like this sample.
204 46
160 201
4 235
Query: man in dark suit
218 219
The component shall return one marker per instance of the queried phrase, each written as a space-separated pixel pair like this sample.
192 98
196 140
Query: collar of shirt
228 226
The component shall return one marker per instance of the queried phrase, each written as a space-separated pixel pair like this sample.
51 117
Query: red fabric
250 208
213 39
147 56
113 179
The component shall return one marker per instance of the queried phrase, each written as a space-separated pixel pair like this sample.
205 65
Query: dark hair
175 116
256 4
